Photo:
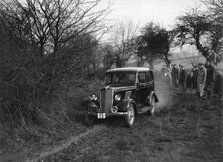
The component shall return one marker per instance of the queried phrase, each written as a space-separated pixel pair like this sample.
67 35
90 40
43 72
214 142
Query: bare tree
203 30
109 55
154 44
42 41
123 40
51 24
216 7
192 55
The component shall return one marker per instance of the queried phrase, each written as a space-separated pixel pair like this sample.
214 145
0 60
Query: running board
144 109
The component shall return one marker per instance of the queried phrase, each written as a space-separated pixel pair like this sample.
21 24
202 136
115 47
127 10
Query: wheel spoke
131 115
153 106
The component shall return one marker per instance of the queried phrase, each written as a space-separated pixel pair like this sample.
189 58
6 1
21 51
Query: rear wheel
130 117
153 105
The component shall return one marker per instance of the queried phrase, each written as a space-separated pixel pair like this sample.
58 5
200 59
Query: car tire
153 105
130 117
89 119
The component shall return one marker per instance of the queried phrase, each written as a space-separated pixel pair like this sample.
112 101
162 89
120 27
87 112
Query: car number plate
101 115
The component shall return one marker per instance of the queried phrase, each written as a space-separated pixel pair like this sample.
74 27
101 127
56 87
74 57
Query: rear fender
156 98
151 95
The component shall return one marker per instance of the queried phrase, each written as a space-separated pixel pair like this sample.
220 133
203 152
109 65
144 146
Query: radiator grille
106 100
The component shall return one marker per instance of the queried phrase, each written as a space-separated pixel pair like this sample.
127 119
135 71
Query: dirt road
185 128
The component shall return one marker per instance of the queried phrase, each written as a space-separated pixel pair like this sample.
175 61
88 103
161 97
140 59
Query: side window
142 77
149 76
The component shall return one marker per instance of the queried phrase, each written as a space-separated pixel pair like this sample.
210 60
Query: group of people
203 78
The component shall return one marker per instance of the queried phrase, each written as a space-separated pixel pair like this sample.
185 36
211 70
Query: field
178 56
184 128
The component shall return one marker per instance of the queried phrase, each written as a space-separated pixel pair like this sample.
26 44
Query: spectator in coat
195 72
192 78
175 75
212 57
167 74
218 85
209 87
190 81
182 78
201 80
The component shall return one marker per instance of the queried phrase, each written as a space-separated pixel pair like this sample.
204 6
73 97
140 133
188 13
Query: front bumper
104 115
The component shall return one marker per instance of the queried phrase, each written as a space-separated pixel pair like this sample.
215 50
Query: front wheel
130 117
89 120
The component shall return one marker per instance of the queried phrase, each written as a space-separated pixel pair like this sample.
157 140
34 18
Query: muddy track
161 138
76 140
102 133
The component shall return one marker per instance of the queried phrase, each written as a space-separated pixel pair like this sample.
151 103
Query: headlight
93 97
114 109
117 97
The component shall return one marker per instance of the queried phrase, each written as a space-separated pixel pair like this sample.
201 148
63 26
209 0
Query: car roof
134 69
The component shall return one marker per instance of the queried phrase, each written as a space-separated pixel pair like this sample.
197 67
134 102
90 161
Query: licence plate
101 115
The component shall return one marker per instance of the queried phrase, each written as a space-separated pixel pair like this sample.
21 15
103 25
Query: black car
127 92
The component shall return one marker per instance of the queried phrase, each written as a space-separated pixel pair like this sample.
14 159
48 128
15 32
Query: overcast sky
158 11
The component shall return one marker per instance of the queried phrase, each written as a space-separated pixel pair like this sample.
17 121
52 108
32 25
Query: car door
144 87
150 81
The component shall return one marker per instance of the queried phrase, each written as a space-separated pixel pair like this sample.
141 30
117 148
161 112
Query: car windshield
124 77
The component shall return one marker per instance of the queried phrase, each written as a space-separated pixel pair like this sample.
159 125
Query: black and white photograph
111 80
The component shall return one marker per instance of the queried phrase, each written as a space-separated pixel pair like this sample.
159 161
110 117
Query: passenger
201 80
218 85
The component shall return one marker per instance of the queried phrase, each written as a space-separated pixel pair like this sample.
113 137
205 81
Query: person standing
209 87
201 80
175 75
167 74
195 71
218 85
182 78
190 81
195 74
211 58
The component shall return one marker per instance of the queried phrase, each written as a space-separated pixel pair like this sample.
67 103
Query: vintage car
127 92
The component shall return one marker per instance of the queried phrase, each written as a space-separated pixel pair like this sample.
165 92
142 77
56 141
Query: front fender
90 103
123 106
